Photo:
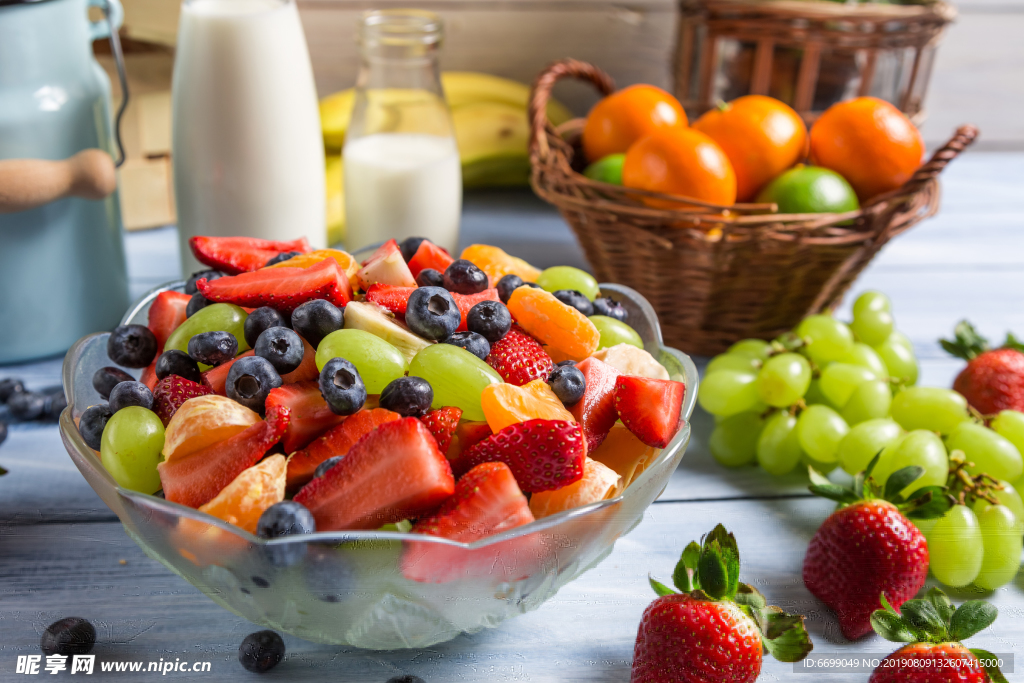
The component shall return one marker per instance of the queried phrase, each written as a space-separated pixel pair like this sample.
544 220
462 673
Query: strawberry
385 266
165 314
717 628
869 546
217 376
544 455
442 423
311 416
148 376
235 255
170 392
283 288
429 255
467 434
595 412
336 441
519 358
935 630
649 407
993 379
395 299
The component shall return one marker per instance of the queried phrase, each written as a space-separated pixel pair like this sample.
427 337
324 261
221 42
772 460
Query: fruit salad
288 391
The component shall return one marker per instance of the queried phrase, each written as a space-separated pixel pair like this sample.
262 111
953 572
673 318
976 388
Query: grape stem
967 488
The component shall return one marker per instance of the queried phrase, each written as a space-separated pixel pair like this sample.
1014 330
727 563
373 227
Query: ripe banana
335 199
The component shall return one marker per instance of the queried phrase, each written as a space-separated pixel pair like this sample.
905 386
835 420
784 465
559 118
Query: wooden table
62 552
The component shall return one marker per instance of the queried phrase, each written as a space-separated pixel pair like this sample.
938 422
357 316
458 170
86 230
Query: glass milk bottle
402 171
247 148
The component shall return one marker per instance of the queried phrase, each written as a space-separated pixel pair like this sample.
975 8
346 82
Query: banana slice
629 360
373 319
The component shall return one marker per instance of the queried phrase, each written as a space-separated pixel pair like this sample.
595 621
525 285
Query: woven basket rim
825 9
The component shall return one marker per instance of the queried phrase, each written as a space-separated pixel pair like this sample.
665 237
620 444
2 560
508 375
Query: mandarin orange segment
567 332
497 263
623 453
507 404
599 482
203 421
347 262
243 500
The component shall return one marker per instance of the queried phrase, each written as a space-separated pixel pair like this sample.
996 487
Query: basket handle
964 136
540 93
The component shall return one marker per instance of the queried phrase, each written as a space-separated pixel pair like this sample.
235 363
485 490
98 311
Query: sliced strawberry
429 255
283 288
307 368
544 455
215 378
386 266
336 441
595 412
395 299
649 407
148 376
467 434
165 314
197 478
519 358
310 414
170 392
486 501
235 255
393 473
467 301
442 424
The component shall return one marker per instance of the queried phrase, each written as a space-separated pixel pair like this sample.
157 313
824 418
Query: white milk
402 185
248 152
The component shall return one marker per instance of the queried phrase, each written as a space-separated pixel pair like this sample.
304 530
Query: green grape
838 381
567 277
814 395
871 301
378 362
213 318
614 332
784 379
1001 538
778 447
872 327
991 453
733 361
131 448
819 430
921 448
820 466
755 348
869 401
866 357
899 359
734 440
864 441
728 392
901 339
955 547
827 339
925 526
931 408
1010 425
457 377
1007 496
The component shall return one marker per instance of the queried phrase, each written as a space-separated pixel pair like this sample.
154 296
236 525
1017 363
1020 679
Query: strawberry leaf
922 615
685 575
817 478
871 465
993 672
901 479
750 596
943 605
893 627
929 502
718 568
970 618
660 588
1013 343
835 492
966 342
784 635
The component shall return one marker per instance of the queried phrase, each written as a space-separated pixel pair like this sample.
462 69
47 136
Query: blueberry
69 636
432 313
327 464
282 256
611 308
489 319
213 348
26 405
55 402
261 651
570 297
282 347
407 396
563 363
132 346
407 678
342 387
175 362
105 379
10 386
210 275
3 431
464 277
475 343
508 284
327 574
130 394
429 277
261 320
249 381
568 383
316 319
197 303
93 421
286 518
409 246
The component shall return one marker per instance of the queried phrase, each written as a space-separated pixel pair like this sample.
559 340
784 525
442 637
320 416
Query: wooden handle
29 183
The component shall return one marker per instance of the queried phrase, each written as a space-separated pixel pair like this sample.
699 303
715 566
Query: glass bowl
348 588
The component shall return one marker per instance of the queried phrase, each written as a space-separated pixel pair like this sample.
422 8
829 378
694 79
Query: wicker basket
810 55
715 278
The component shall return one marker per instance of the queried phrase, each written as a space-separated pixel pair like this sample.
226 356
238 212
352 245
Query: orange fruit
623 453
622 118
346 260
869 142
561 328
598 483
507 404
497 264
203 421
680 161
250 493
761 136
